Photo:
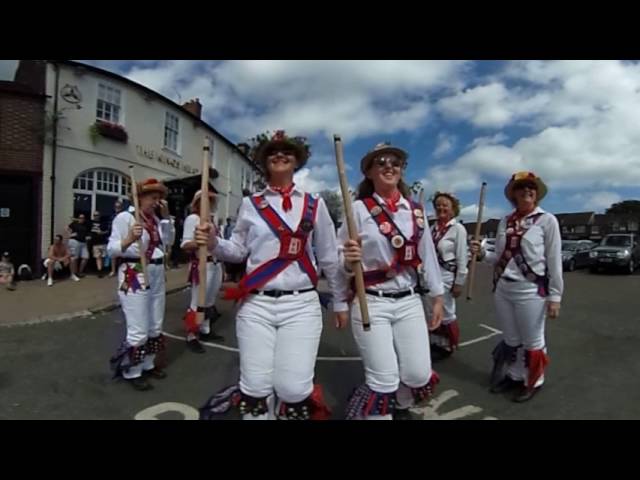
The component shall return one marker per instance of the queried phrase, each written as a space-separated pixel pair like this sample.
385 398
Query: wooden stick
136 205
472 267
202 249
421 197
353 233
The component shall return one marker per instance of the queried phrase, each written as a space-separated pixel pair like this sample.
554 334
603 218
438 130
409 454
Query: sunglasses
388 161
286 153
528 184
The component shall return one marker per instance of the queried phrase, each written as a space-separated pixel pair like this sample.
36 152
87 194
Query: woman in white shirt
279 320
214 280
143 305
528 287
397 257
450 240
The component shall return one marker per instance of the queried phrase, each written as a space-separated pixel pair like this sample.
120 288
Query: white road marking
494 332
431 410
152 413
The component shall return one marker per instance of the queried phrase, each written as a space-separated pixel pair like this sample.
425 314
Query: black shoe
504 385
80 275
101 275
402 414
195 346
156 373
211 336
524 394
439 353
140 384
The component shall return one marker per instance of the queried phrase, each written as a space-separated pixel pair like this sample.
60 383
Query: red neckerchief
151 227
285 192
441 229
392 201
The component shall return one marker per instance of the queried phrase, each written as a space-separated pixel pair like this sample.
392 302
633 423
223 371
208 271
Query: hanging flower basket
108 130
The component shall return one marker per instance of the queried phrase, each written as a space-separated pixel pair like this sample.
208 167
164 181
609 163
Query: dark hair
59 236
365 189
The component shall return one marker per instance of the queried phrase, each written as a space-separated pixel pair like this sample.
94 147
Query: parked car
575 254
619 251
489 244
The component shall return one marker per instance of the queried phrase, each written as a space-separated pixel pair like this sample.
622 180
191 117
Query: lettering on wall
165 160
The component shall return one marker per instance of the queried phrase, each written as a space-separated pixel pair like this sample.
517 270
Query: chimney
194 107
32 74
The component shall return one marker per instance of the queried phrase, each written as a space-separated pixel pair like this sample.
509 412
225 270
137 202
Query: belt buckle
277 293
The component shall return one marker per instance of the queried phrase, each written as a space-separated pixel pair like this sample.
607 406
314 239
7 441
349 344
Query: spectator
228 228
7 272
98 241
58 257
79 231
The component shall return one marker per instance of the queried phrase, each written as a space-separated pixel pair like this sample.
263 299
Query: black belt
155 261
402 294
279 293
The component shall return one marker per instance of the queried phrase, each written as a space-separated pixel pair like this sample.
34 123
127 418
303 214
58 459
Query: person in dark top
98 241
78 232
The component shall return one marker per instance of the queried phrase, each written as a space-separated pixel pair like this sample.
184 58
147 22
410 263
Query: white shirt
377 252
453 248
542 249
253 239
123 222
190 224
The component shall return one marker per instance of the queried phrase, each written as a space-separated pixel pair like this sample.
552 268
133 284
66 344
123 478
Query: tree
334 205
626 206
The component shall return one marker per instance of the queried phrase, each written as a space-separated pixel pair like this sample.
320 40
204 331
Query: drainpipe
54 146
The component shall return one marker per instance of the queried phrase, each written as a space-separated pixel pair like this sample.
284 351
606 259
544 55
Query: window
98 190
595 229
581 229
565 229
632 226
109 103
171 130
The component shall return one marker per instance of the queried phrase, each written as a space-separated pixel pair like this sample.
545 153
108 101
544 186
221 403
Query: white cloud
583 118
445 145
597 201
353 98
490 140
316 178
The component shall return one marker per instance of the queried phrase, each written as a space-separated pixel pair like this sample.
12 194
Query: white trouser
278 340
449 307
143 312
214 282
521 316
396 349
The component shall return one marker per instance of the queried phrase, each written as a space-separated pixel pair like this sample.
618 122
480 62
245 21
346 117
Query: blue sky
575 123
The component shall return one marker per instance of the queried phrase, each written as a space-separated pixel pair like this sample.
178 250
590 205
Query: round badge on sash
263 204
385 228
420 222
306 226
510 231
376 211
397 241
418 213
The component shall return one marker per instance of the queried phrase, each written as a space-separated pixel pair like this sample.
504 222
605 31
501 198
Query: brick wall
21 131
